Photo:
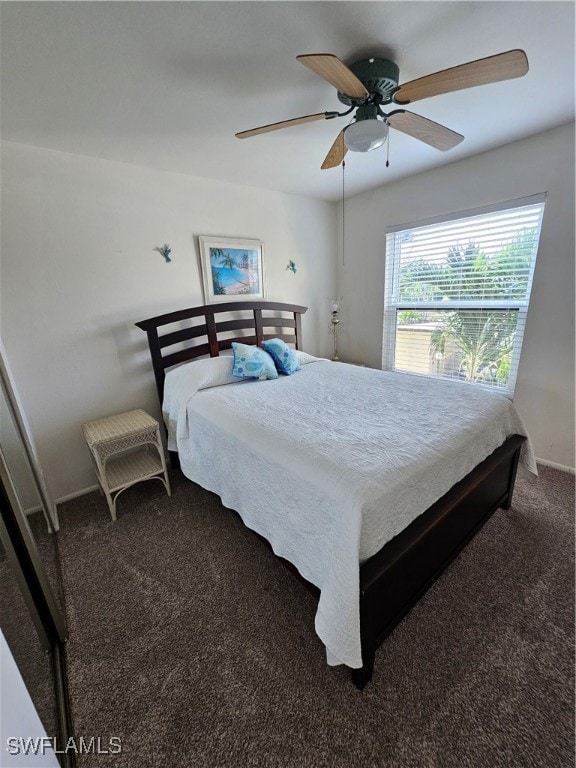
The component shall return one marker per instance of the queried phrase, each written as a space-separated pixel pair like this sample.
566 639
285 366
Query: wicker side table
112 441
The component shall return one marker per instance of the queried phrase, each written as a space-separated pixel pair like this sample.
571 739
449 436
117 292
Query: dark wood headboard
212 334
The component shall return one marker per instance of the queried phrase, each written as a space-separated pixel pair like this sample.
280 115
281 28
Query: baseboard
553 464
75 495
33 510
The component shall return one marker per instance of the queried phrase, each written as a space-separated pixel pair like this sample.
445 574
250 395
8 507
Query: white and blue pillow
252 362
285 359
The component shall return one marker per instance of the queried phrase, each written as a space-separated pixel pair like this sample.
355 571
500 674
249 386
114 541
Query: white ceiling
167 84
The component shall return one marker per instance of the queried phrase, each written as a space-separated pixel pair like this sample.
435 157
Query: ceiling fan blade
335 72
434 134
502 66
336 153
285 124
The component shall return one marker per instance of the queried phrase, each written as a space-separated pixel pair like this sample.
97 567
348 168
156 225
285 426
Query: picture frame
232 269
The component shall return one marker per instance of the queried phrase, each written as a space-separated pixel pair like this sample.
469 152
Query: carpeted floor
194 645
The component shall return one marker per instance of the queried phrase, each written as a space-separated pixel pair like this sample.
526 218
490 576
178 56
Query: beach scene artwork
234 271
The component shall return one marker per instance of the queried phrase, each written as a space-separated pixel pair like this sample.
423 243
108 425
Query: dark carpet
191 643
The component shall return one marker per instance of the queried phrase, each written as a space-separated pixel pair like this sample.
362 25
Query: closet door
31 602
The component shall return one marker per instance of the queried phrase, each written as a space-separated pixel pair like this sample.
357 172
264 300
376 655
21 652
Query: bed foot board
361 677
507 503
393 581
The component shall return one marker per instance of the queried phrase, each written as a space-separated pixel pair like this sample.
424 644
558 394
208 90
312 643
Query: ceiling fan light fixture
366 135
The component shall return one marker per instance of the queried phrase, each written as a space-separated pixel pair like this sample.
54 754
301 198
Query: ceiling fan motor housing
366 112
379 77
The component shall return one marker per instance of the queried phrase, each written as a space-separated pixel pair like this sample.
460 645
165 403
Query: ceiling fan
367 85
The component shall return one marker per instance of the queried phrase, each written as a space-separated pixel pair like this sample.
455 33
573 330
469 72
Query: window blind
457 294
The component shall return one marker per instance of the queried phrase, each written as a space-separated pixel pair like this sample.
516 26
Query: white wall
542 163
78 270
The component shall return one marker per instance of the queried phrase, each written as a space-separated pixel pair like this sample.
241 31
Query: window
457 294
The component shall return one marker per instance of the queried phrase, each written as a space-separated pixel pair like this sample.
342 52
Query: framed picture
232 269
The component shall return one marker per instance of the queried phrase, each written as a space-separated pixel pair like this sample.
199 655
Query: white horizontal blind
457 294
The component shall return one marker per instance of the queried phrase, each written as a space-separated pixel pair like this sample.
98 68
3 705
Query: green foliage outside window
484 337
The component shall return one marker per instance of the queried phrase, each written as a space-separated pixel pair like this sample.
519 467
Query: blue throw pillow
252 363
285 359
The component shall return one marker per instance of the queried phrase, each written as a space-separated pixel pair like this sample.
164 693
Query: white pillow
304 357
201 374
182 383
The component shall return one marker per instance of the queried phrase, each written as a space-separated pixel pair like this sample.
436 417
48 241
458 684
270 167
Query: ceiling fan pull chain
343 216
388 152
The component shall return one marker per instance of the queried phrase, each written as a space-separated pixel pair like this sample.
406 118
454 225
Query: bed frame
397 576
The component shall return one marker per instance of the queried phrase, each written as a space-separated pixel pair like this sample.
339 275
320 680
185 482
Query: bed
362 480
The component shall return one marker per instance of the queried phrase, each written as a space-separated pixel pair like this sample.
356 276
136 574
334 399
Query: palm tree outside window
457 293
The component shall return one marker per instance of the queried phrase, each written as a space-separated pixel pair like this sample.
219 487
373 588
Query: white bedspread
332 462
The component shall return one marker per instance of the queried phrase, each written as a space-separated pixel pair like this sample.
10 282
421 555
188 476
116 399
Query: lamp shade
364 135
334 302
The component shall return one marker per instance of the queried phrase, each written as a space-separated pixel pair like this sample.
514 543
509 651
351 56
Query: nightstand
126 449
